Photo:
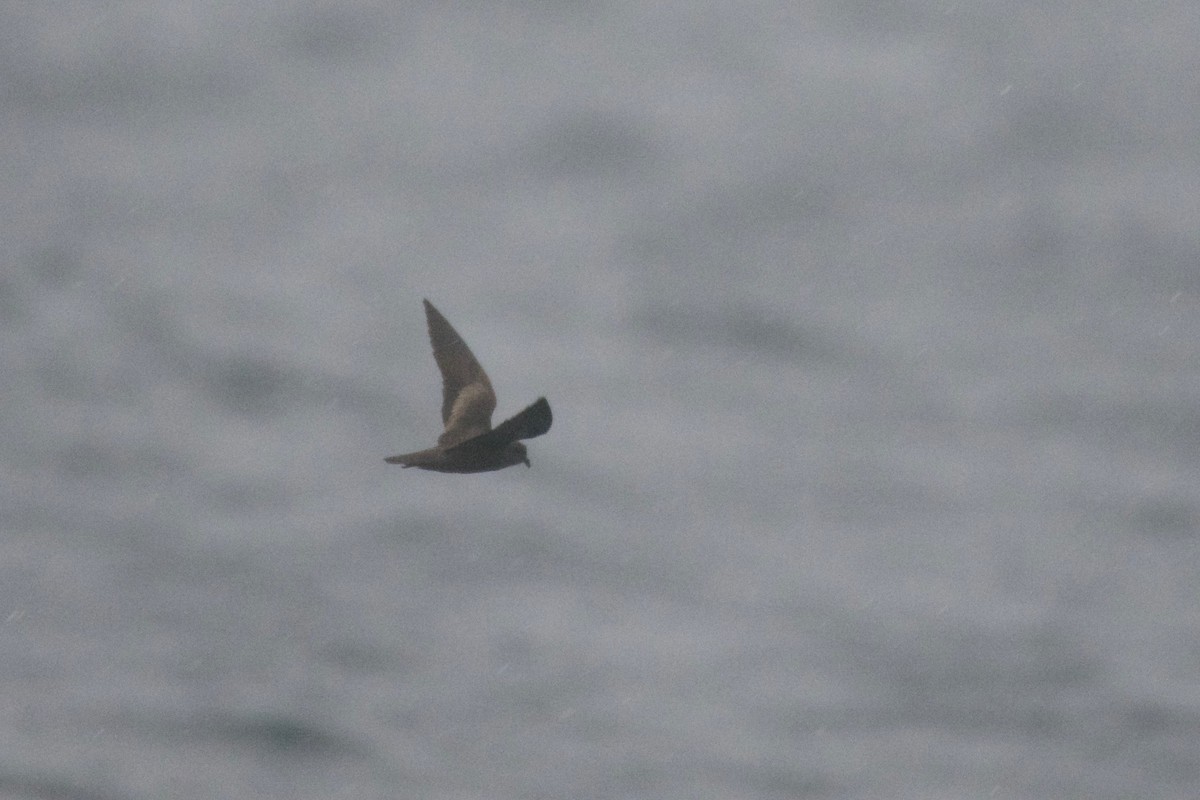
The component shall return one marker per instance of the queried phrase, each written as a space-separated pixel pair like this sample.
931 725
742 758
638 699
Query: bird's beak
527 464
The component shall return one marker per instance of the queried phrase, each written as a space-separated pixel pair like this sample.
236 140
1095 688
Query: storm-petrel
470 443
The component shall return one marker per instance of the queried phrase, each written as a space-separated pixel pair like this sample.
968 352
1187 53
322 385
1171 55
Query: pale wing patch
470 415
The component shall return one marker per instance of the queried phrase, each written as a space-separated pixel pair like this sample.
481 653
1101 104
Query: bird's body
470 443
438 459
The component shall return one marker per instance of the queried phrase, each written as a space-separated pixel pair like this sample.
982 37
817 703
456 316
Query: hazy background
871 332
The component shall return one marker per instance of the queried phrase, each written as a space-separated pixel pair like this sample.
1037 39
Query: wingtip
431 312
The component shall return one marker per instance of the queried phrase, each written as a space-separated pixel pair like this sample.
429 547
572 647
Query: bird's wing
533 421
467 396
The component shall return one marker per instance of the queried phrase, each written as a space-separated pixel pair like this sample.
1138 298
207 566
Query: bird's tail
407 460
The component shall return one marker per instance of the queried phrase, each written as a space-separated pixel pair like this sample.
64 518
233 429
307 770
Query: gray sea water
872 335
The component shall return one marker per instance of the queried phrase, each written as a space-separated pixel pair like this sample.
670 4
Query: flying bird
470 443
